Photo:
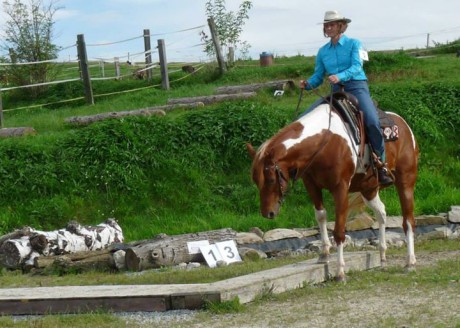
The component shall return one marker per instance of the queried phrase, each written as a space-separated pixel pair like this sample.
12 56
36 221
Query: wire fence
131 65
134 65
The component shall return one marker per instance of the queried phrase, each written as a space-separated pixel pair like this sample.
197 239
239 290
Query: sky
281 27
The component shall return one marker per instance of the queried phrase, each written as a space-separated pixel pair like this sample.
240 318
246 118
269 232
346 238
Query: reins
325 141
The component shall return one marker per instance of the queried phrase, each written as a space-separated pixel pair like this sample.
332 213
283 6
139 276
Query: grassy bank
189 171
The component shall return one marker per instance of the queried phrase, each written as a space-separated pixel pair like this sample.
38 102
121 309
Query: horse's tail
356 204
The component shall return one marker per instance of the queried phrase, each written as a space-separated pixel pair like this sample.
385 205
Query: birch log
171 250
21 253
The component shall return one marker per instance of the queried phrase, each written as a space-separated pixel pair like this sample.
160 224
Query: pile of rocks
361 233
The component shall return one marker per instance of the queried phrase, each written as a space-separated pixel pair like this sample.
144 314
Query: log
171 250
21 253
25 231
85 261
212 99
158 110
284 85
16 132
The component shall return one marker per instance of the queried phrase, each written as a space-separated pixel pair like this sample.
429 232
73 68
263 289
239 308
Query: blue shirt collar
342 40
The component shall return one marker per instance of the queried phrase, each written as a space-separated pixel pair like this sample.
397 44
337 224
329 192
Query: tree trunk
81 261
158 110
275 85
21 253
16 132
167 251
212 99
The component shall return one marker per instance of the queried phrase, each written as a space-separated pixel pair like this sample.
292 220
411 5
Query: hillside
189 171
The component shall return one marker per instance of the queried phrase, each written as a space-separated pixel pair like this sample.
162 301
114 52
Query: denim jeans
360 90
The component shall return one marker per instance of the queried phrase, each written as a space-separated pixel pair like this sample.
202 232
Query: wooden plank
83 305
132 298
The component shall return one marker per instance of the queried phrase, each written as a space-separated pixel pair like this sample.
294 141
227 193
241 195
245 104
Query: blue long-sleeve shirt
343 59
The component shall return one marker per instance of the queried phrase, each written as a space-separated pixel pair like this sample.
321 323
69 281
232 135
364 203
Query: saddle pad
390 130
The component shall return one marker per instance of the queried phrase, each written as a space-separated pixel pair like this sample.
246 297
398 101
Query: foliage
189 171
28 38
229 26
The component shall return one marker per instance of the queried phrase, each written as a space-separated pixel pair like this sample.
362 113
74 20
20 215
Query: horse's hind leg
406 198
379 211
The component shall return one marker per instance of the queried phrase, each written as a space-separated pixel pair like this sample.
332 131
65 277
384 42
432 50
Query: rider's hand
333 79
303 84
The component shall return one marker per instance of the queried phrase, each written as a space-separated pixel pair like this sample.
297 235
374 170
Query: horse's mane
272 145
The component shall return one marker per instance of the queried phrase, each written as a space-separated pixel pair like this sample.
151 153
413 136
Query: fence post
148 54
163 64
216 41
116 60
84 70
102 67
1 110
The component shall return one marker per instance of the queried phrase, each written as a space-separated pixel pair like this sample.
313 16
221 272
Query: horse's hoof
410 268
323 259
341 279
383 265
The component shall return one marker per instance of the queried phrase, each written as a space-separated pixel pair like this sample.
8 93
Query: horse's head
271 178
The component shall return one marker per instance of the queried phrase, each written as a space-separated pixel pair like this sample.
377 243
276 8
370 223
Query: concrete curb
133 298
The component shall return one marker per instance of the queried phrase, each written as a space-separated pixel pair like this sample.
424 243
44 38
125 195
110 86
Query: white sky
282 27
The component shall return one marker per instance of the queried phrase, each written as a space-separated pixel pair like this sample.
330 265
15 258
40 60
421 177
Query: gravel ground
384 307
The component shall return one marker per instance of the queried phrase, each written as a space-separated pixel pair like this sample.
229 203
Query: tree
28 39
229 26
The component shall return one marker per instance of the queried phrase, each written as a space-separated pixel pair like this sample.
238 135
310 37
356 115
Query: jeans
360 90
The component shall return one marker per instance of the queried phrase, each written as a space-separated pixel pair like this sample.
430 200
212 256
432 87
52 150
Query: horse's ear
251 150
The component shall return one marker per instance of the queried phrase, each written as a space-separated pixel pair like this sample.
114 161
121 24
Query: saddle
347 106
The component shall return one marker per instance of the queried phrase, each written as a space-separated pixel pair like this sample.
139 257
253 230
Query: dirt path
376 304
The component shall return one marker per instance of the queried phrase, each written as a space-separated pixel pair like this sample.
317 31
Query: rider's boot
384 176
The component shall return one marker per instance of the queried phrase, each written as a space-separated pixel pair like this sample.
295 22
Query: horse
318 149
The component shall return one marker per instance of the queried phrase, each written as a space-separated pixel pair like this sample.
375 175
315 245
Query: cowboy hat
334 16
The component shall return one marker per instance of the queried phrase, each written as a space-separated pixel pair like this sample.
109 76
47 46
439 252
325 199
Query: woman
341 59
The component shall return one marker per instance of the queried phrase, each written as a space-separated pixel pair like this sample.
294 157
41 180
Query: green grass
189 171
371 284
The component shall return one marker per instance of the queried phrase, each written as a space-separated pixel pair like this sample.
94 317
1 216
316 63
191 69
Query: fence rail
85 69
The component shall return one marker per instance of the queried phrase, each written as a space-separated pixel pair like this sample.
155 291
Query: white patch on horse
317 121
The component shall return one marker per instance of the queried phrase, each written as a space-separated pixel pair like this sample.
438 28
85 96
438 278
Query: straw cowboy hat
334 16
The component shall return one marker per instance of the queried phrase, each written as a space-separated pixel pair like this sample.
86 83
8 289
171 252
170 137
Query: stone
280 233
395 238
432 235
454 214
257 231
251 254
307 232
391 222
248 238
362 221
430 220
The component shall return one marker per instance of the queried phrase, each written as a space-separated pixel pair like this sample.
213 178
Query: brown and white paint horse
318 149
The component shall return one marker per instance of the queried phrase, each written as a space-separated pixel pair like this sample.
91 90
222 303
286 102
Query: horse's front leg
321 218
